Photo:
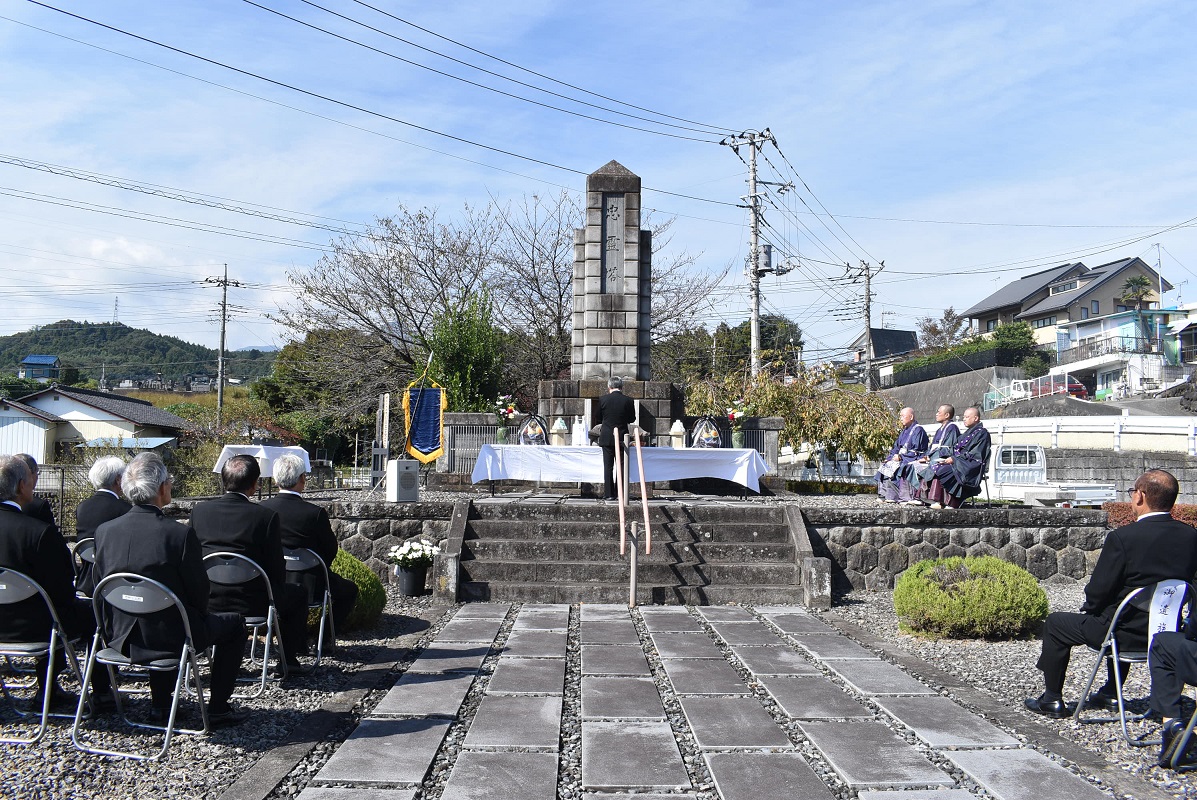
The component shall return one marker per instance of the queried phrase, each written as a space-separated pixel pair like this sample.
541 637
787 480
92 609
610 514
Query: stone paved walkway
829 717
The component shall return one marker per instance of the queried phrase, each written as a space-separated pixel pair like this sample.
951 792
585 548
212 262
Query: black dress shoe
294 670
1170 734
159 716
1056 709
103 702
1101 699
226 718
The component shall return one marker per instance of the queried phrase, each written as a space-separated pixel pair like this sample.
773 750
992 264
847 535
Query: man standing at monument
616 412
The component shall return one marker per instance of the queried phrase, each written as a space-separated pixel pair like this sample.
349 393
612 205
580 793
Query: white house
86 415
25 429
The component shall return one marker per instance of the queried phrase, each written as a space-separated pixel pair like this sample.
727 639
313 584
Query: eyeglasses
1131 491
170 478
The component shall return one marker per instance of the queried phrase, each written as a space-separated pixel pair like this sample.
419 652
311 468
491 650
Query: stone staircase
568 552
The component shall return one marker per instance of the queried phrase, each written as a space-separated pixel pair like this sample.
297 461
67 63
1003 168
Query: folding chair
140 596
85 559
1165 600
300 560
16 587
234 569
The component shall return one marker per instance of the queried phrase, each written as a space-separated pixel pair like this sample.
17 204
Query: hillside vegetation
124 353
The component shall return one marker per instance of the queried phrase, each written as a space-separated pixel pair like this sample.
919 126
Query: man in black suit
147 543
36 548
616 412
307 525
234 524
38 507
1154 548
106 504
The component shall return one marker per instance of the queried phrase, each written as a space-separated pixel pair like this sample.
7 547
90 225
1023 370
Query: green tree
780 340
467 355
1016 336
1137 289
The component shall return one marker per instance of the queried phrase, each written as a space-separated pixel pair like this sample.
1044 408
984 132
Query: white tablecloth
265 456
585 464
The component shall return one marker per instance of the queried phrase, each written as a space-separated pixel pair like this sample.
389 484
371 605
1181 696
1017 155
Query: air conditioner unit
403 481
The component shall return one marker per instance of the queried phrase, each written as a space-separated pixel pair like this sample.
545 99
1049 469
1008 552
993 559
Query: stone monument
612 309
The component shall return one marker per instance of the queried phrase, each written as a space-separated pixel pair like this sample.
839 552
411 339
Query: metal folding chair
16 587
84 561
140 596
1174 594
234 569
302 560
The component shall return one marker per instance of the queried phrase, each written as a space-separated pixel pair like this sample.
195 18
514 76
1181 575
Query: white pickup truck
1019 472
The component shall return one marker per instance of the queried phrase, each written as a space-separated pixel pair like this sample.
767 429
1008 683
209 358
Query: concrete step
687 574
664 512
647 594
593 529
608 550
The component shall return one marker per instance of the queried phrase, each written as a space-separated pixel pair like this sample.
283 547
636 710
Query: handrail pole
633 557
648 531
619 495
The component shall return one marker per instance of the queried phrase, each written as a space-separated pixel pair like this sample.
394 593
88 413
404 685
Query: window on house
1043 322
1121 308
1067 286
1084 313
991 326
1095 307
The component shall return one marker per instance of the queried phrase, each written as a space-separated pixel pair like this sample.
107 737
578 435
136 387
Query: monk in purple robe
895 479
959 476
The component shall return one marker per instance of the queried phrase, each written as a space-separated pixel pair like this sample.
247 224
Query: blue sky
964 143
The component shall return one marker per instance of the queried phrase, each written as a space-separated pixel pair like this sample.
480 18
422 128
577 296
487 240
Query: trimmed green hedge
371 596
969 598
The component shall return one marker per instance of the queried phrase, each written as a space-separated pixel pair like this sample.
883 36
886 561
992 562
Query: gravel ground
1007 670
199 766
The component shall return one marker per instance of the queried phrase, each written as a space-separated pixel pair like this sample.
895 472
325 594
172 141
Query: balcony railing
1103 347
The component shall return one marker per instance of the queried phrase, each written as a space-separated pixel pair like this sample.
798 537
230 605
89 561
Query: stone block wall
869 548
1121 469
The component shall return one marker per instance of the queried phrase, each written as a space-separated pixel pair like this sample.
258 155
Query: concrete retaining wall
870 547
1121 469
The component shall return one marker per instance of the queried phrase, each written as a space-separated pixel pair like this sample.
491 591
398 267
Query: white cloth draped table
265 456
585 464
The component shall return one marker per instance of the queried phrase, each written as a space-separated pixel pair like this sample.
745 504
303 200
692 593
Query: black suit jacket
616 412
93 512
304 524
1150 550
36 548
40 508
146 542
233 524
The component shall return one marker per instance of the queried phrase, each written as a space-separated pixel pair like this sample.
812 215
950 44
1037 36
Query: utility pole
867 272
224 284
755 140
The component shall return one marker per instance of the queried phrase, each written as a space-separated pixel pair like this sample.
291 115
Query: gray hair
105 473
288 469
615 382
12 472
144 477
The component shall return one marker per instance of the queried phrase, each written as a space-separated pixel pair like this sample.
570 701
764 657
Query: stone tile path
767 703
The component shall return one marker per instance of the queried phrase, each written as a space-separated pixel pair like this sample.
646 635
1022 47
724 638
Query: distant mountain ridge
123 353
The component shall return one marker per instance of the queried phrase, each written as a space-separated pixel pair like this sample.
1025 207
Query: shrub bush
969 598
371 596
1119 514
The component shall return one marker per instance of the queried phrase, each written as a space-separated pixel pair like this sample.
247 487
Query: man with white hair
147 543
106 504
307 525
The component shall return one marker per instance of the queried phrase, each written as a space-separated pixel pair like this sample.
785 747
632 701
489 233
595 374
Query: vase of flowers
411 561
735 418
505 411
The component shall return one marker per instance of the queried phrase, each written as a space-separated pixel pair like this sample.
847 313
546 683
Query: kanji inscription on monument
612 255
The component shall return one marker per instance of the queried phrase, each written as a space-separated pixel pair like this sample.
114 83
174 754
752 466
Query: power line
451 76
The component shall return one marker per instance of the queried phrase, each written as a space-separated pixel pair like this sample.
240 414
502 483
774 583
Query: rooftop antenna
116 304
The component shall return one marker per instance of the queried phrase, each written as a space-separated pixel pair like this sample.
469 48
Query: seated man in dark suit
38 507
1173 664
36 548
106 504
147 543
1154 548
234 524
307 525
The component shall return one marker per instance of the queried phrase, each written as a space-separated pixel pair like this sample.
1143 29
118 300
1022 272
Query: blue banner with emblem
424 417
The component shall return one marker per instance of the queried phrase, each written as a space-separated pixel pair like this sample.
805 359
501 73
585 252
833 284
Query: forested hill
125 353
